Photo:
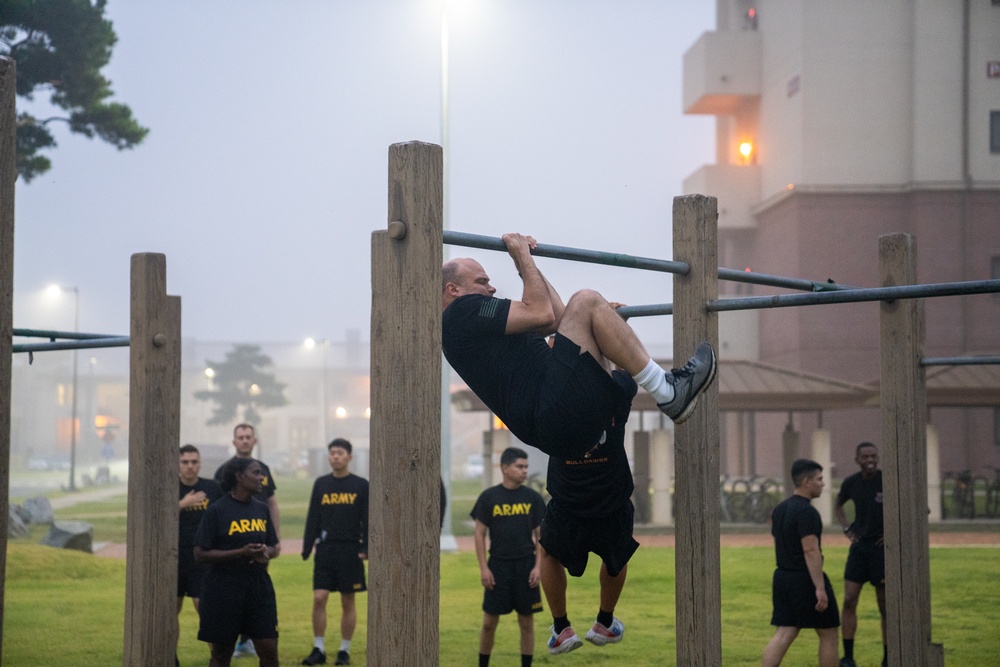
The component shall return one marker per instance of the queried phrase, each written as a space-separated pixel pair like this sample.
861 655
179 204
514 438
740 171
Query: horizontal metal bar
86 344
737 276
856 295
960 361
650 310
631 262
69 335
574 254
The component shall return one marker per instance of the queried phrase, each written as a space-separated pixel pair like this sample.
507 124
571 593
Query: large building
838 122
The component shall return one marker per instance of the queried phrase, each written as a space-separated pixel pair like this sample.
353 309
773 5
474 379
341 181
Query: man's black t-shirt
793 519
338 512
599 483
867 497
190 517
231 524
511 515
267 486
505 372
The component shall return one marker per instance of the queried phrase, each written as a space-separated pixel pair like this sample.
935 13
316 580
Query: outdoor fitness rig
406 434
154 343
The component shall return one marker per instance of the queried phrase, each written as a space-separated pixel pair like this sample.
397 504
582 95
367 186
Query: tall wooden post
904 451
154 434
404 543
8 174
696 446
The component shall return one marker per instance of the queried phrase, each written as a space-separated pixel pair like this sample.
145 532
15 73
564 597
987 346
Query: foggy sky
265 173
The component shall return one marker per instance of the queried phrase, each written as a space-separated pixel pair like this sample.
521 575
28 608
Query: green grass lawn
67 608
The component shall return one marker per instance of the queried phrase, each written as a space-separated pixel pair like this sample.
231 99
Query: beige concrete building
855 119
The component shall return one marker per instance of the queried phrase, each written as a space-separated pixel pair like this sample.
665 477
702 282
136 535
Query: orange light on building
746 150
498 425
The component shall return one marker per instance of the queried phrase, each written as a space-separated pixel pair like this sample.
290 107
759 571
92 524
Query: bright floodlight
53 290
309 343
341 413
746 148
210 373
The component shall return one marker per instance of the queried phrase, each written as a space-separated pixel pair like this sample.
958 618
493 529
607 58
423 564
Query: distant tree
240 381
60 47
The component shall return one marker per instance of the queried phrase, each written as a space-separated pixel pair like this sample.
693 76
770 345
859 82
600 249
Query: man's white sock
653 379
319 643
345 645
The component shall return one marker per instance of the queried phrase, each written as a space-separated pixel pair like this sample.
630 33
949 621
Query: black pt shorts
511 591
794 600
235 601
338 568
576 401
570 539
866 564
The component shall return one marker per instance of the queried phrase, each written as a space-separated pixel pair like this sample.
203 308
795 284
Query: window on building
995 131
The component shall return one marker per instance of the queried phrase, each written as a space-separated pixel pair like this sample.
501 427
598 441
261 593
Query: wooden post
696 446
154 434
8 174
404 543
904 418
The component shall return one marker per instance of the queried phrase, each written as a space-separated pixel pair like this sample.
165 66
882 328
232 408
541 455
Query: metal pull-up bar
72 340
633 262
841 295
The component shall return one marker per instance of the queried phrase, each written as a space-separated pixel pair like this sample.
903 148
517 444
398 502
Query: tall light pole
448 542
72 423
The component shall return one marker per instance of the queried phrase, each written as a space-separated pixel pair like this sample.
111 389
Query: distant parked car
54 462
473 466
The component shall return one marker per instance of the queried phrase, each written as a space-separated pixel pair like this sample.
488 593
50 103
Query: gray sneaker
689 382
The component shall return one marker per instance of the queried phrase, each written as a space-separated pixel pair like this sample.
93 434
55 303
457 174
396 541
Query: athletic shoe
565 642
600 635
689 382
244 649
343 658
317 657
847 662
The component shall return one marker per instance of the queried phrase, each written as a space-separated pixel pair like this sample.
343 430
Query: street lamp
58 289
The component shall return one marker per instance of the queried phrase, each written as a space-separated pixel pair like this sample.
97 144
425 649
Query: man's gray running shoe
689 382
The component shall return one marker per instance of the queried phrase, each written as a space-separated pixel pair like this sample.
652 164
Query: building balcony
737 187
721 71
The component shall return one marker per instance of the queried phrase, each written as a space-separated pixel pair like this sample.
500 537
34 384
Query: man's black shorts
866 564
794 599
338 568
511 591
237 601
570 539
575 403
190 573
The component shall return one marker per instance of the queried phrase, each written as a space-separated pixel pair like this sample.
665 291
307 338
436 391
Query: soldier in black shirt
337 525
801 592
244 440
511 513
590 512
866 559
560 399
196 494
236 538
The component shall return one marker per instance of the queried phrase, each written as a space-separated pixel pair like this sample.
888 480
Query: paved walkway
103 493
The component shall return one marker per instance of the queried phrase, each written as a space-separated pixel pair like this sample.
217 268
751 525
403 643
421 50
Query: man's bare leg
591 322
